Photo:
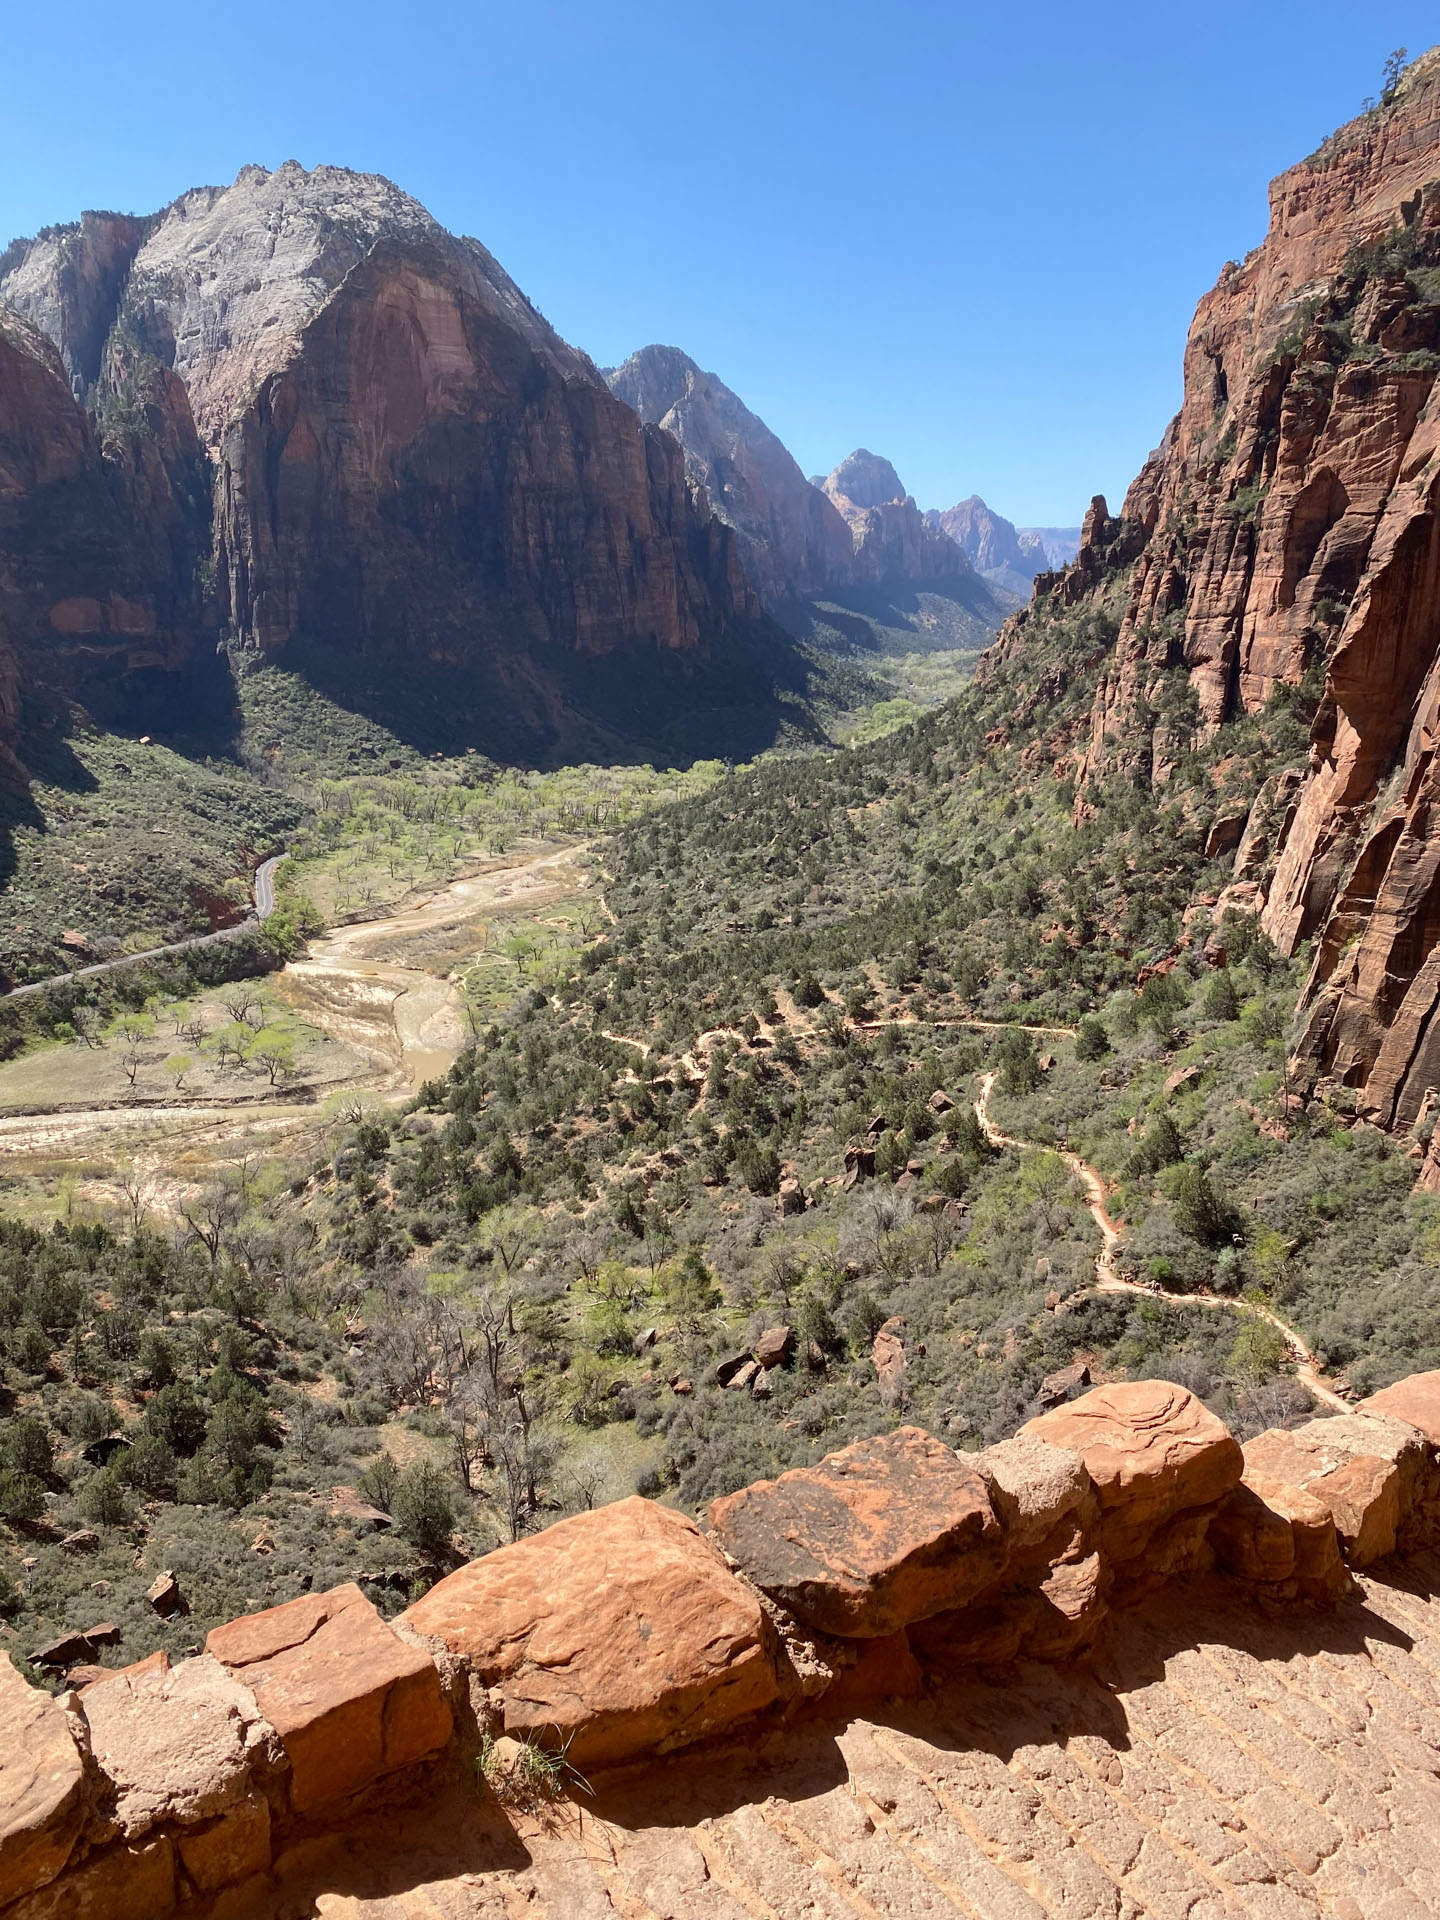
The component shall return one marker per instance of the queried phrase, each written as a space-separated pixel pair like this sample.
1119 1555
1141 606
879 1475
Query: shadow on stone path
1205 1762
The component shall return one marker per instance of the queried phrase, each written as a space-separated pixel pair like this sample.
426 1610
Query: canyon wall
99 583
792 538
397 456
1286 533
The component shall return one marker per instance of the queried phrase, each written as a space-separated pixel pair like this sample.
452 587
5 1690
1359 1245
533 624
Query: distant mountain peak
865 479
792 539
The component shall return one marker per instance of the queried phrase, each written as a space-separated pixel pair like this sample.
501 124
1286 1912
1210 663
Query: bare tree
135 1187
210 1217
242 1002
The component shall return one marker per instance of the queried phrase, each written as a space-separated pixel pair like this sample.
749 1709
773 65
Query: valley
744 969
374 1013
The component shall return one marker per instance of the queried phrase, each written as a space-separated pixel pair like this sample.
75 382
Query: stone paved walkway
1211 1763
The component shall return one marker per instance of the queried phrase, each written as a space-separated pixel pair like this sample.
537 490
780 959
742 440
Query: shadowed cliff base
744 691
901 616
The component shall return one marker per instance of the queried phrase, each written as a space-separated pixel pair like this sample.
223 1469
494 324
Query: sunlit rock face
343 423
1286 531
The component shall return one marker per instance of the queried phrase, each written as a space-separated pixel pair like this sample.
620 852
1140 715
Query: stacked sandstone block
628 1632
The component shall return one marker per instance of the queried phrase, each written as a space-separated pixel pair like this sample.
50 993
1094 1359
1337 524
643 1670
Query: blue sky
967 237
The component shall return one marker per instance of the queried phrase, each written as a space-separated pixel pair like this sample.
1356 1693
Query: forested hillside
747 1107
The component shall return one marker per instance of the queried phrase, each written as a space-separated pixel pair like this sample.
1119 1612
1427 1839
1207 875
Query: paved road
264 907
265 886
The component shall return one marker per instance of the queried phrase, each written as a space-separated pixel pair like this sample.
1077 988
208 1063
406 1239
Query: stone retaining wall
625 1633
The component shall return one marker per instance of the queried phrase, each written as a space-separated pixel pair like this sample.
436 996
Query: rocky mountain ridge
403 462
1006 555
792 538
893 540
1285 536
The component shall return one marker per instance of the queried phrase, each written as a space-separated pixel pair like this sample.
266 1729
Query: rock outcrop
617 1633
893 539
1286 533
880 1535
42 1781
377 442
792 539
1154 1453
349 1700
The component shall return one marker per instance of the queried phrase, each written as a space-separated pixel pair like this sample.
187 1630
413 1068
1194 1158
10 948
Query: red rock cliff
95 589
1286 531
406 459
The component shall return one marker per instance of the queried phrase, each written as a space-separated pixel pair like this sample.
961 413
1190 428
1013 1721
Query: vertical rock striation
351 427
792 539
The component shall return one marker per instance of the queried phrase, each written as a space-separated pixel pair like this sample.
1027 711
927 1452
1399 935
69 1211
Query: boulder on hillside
883 1533
791 1197
349 1698
1374 1475
774 1347
617 1633
1066 1382
42 1781
70 1648
1153 1452
165 1596
887 1350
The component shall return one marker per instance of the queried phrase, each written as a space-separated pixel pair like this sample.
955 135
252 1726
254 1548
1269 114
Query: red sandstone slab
1369 1470
620 1631
1416 1401
877 1536
349 1699
41 1786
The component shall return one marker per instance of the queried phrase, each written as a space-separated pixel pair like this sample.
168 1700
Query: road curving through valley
366 984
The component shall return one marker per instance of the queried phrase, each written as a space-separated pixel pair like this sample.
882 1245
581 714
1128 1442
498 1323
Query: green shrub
423 1508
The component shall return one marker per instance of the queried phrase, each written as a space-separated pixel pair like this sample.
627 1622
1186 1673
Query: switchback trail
1308 1370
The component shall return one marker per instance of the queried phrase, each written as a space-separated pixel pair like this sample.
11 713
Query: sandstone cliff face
893 540
986 538
1287 530
793 540
401 458
94 587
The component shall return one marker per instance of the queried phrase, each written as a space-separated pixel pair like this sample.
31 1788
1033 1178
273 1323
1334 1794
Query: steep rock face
1287 531
405 460
69 281
97 577
792 538
986 538
893 541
